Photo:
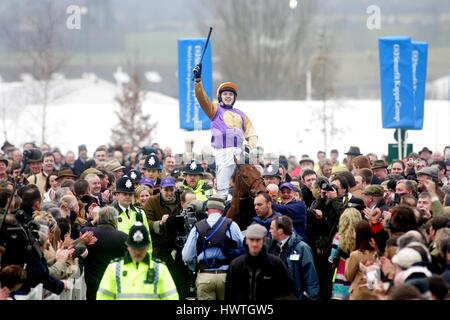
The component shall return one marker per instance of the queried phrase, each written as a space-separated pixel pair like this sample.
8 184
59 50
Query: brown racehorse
247 183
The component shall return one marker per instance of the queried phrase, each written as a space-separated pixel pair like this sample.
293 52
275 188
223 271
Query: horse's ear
235 160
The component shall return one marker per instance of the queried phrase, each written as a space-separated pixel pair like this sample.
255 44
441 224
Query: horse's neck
238 203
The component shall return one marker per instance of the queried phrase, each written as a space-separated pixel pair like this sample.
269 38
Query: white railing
77 291
34 294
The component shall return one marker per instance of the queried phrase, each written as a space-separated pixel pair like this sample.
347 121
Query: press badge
294 257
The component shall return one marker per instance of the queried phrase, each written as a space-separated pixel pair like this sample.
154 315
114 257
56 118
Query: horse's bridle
250 186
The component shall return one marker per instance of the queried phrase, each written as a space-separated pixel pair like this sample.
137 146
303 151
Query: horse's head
248 181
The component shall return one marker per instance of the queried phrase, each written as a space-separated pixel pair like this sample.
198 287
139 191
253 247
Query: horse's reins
249 186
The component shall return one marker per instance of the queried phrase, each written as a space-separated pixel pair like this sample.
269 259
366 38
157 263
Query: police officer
271 174
135 176
128 213
152 170
136 276
193 181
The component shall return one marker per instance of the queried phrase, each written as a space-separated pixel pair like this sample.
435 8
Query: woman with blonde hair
141 195
343 244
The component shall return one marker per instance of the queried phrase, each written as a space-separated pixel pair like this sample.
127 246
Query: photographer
14 232
179 225
158 209
37 268
323 219
24 243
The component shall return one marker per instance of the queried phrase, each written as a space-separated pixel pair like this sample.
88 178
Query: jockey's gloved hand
197 71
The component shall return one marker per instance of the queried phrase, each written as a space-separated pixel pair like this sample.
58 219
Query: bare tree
38 42
134 126
323 70
262 44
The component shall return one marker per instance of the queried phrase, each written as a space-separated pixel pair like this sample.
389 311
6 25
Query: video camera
34 154
30 155
19 236
187 218
21 240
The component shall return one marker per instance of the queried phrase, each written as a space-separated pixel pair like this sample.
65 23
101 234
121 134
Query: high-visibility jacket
124 222
202 191
128 280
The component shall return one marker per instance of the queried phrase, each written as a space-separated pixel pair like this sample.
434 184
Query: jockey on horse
229 128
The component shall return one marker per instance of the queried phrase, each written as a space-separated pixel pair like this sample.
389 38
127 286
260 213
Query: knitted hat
215 203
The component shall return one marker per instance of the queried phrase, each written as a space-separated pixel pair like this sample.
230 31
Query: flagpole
399 136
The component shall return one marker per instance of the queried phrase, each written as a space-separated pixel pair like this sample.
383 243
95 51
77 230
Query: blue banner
419 69
192 116
397 97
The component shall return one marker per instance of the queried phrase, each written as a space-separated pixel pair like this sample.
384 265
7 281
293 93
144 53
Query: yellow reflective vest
128 280
201 191
124 222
